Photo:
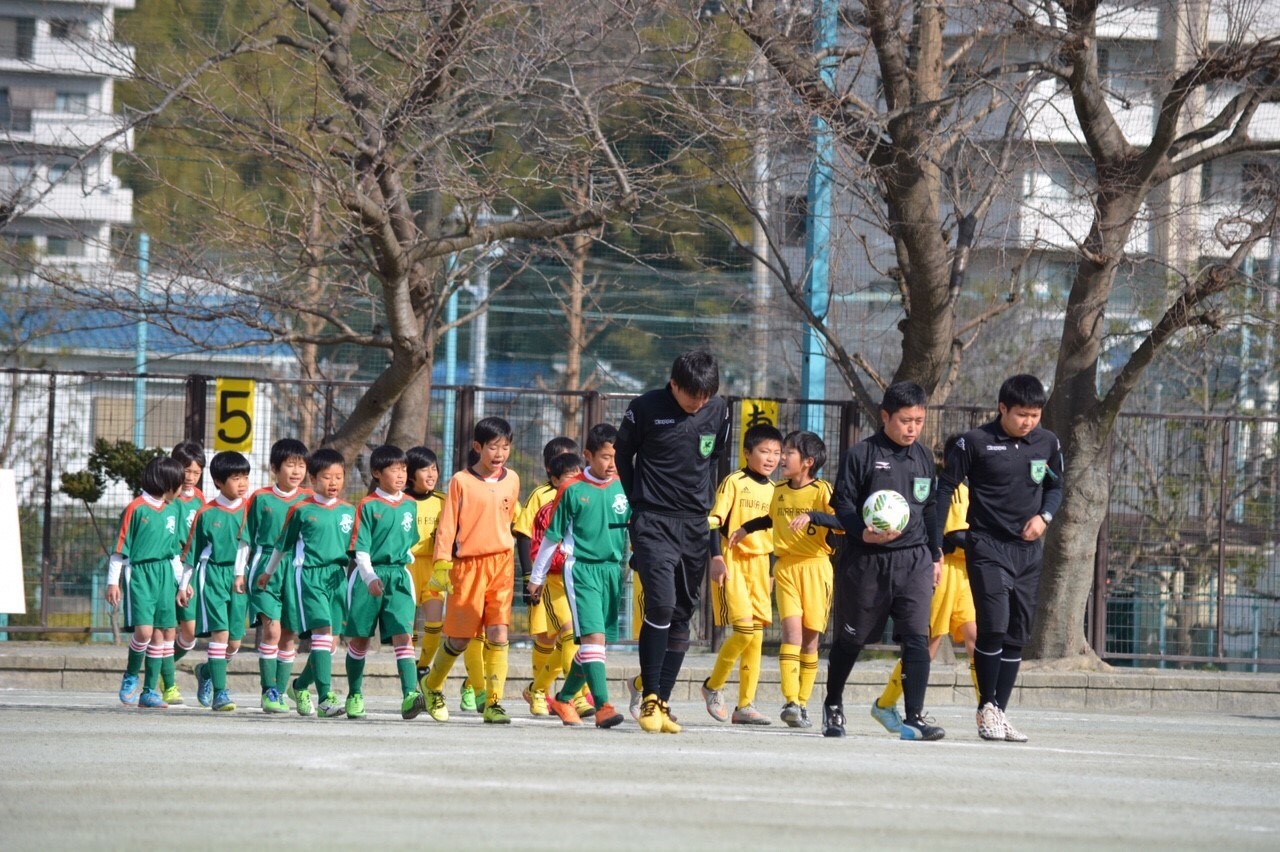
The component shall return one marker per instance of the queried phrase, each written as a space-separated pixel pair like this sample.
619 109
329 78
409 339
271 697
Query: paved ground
79 770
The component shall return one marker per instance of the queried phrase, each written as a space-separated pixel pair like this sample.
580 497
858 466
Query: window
66 247
795 219
59 170
1259 182
72 102
68 28
17 38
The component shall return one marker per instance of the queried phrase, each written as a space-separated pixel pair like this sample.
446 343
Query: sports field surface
78 770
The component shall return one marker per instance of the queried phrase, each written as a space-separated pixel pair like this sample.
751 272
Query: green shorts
392 612
150 595
312 598
187 611
269 601
217 605
594 590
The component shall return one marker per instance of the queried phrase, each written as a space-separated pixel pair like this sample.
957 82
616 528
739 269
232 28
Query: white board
13 599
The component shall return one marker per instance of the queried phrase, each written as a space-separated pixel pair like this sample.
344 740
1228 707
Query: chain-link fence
1187 569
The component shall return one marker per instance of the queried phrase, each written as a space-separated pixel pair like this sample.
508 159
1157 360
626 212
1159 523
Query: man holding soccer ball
885 499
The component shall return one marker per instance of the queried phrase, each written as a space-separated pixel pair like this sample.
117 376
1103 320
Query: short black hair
285 449
227 464
1022 390
385 456
810 447
491 429
758 434
563 463
697 373
323 459
162 475
900 395
601 434
556 446
417 458
187 452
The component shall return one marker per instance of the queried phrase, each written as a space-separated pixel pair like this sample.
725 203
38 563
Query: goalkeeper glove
440 576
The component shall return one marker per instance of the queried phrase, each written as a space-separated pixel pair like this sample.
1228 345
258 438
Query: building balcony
1051 116
68 131
70 202
85 58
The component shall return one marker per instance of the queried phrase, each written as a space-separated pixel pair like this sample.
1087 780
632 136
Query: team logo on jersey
191 519
920 488
706 443
345 523
406 522
960 445
620 504
171 525
1038 468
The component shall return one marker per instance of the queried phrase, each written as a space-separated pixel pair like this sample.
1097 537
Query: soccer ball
886 510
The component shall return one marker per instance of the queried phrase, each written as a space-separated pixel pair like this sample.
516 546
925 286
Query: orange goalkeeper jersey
477 515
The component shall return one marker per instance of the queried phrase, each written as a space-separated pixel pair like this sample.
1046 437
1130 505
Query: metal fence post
46 532
1222 538
464 413
195 417
1101 559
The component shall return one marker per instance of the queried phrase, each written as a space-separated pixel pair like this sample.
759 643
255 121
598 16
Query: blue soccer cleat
152 700
130 689
204 685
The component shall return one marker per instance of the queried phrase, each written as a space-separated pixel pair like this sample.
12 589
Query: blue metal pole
817 246
450 378
140 349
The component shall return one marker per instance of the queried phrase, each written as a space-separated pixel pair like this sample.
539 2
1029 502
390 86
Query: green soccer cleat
433 699
355 706
330 707
172 695
495 715
272 702
467 703
412 705
302 700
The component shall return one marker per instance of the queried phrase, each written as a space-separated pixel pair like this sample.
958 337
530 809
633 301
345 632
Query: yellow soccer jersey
957 519
789 502
428 517
541 496
742 497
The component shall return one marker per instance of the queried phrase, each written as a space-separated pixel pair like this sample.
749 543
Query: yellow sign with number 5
233 426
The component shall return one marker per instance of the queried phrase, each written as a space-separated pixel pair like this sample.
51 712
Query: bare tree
378 123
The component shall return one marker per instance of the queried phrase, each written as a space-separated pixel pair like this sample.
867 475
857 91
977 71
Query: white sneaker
991 722
636 697
1012 734
715 703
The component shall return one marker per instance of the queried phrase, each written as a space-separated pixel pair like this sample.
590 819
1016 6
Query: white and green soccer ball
886 510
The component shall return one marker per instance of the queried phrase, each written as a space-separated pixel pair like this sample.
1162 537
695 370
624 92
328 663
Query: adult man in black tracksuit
1014 469
667 448
888 572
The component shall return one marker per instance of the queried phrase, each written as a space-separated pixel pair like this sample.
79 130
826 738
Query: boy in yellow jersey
951 610
549 621
474 562
550 616
423 474
802 519
740 590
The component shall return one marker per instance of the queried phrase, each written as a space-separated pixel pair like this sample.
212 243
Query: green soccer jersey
386 529
316 535
590 519
149 531
265 513
215 535
187 505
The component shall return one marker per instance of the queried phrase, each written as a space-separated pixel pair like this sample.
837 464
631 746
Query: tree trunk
1071 546
411 415
373 405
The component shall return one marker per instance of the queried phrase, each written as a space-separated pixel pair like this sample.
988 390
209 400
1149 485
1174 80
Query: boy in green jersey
589 523
189 501
141 577
380 592
214 579
315 541
263 520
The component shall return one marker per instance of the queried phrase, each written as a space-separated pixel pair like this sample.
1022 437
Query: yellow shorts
421 571
803 588
745 593
952 604
637 604
483 587
551 613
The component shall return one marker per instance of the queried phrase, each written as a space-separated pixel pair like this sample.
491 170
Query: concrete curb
54 666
